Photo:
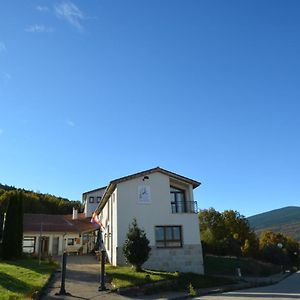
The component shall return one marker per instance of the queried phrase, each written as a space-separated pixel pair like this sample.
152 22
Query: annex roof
57 223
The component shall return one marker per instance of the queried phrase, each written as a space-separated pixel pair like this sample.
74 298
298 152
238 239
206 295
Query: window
91 199
85 238
29 244
98 199
71 242
178 202
168 236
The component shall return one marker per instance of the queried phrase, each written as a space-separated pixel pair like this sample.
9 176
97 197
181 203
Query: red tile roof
57 223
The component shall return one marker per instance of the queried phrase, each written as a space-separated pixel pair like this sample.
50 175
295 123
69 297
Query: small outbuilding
54 234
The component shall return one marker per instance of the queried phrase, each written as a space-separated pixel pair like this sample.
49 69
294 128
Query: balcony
189 207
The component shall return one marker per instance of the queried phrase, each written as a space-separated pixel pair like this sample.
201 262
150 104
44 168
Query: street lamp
102 286
62 290
280 246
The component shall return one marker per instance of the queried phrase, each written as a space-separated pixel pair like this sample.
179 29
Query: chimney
75 214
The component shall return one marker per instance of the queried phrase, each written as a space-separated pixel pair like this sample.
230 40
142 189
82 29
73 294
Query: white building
91 200
163 204
51 235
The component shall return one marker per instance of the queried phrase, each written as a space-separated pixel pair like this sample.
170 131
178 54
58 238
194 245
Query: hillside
40 203
285 220
37 203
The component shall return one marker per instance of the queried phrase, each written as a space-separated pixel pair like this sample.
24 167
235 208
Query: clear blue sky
94 90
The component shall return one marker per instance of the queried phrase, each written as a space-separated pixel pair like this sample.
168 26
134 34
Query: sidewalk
83 281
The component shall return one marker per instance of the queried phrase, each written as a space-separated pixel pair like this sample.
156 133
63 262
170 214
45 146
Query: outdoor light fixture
145 178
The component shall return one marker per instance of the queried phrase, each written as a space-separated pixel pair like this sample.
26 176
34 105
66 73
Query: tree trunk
138 268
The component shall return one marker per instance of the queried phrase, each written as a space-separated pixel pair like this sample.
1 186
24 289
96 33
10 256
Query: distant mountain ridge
285 220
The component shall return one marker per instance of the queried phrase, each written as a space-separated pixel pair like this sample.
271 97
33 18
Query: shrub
192 290
136 247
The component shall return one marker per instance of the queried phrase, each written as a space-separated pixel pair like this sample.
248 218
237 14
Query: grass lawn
227 266
126 276
20 278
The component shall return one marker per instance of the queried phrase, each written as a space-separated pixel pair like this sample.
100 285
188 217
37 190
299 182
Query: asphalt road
288 288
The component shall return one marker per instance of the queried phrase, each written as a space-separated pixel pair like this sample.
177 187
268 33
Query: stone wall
186 259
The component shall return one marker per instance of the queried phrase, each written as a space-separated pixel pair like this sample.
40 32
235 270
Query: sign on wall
144 196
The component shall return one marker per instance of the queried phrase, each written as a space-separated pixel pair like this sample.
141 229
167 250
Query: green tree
4 199
250 248
278 248
226 233
242 240
13 227
293 251
213 232
136 246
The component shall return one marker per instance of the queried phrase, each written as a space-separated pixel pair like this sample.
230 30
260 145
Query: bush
192 290
136 247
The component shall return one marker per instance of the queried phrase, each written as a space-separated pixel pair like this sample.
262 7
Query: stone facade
185 259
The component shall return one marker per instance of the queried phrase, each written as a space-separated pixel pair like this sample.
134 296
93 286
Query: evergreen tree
13 227
136 247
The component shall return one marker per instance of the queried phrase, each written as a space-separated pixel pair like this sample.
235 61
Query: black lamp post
62 290
102 286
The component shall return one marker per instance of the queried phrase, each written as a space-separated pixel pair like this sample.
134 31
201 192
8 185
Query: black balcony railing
184 207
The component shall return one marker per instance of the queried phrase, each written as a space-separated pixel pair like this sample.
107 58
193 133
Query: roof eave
94 190
109 190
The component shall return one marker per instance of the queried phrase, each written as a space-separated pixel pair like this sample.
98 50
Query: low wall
186 259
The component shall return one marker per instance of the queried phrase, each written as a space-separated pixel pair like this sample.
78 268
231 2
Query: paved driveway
286 289
82 280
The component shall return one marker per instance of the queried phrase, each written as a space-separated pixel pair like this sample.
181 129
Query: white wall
114 226
89 208
108 218
63 238
124 205
156 213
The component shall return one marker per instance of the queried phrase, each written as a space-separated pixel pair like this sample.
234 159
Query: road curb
232 287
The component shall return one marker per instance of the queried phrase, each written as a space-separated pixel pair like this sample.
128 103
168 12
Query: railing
184 207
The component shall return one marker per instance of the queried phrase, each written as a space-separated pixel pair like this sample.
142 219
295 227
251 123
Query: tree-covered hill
40 203
36 203
285 220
